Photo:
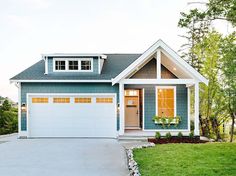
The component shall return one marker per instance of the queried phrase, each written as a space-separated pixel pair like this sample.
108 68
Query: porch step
133 138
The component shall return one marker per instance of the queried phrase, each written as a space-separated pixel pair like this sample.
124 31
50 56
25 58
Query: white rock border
132 164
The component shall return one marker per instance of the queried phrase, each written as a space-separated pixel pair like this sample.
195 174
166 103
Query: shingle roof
113 65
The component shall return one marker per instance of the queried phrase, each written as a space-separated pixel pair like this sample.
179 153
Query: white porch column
122 115
158 58
196 109
189 107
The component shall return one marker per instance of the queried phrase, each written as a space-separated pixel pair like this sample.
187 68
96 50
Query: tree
212 107
222 10
205 52
198 23
196 30
229 77
8 122
6 106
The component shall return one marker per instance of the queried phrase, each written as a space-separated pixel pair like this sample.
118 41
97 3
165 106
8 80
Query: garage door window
83 100
61 100
39 100
104 100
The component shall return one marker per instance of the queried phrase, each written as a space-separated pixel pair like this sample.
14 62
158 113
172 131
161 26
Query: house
108 95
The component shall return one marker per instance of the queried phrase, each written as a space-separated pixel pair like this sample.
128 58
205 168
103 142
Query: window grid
85 65
61 100
60 65
83 100
73 65
104 100
40 100
166 102
80 64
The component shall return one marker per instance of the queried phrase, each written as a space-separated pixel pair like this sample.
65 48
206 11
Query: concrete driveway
61 157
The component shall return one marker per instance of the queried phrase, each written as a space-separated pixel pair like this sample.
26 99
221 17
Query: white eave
75 55
149 52
63 81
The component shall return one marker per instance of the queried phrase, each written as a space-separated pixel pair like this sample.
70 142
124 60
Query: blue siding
150 106
149 98
95 66
64 88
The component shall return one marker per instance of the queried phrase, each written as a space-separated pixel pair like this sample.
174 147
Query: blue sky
30 28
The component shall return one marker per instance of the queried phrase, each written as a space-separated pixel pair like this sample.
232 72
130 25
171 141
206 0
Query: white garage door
72 115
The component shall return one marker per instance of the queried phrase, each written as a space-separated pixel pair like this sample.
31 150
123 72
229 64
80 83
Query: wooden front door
132 111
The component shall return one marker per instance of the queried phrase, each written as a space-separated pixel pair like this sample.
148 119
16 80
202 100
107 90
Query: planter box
175 139
173 122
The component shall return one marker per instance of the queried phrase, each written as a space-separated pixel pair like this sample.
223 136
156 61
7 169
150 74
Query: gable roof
113 65
149 52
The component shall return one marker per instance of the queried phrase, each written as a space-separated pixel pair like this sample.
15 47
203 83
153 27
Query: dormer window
85 65
73 64
60 65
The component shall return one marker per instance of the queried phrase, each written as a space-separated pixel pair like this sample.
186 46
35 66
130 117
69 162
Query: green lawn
216 159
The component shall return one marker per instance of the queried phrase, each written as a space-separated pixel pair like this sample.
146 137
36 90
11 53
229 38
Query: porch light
118 108
174 69
23 107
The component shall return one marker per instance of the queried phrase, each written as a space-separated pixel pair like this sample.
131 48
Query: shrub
8 122
180 135
191 134
191 125
168 135
158 135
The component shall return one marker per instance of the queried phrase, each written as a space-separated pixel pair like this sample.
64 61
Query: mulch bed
176 139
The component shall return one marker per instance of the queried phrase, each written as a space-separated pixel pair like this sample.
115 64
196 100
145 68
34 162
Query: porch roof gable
149 52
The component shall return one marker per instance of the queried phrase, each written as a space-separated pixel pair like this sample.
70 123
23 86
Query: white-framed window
72 64
166 101
60 65
85 64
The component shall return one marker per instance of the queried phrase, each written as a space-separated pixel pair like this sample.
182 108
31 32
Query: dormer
74 63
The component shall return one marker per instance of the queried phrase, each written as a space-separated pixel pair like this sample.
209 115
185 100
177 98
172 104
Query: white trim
143 110
99 65
132 66
196 110
75 54
19 110
67 64
122 112
63 80
149 52
172 54
189 106
156 96
27 115
27 133
76 94
46 65
158 81
158 62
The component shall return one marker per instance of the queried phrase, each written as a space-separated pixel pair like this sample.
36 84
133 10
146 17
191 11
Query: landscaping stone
132 164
